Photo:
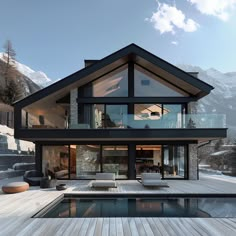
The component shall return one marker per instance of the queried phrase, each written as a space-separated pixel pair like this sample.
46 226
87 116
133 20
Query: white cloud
174 42
168 18
218 8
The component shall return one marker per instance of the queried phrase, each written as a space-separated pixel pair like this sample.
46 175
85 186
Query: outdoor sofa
104 180
153 180
33 177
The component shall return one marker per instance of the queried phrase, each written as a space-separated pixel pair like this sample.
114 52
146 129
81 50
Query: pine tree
9 71
9 87
11 92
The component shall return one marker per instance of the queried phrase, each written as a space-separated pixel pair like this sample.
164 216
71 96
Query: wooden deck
16 211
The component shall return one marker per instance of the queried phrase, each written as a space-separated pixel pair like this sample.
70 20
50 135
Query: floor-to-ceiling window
148 159
84 161
87 160
168 160
158 116
102 116
115 160
55 161
174 161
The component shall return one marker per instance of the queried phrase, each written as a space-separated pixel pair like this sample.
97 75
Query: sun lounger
104 180
153 180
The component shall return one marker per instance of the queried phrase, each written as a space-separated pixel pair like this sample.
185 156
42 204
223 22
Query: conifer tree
9 71
9 87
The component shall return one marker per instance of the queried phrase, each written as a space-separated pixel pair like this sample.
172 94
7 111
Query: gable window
147 84
113 84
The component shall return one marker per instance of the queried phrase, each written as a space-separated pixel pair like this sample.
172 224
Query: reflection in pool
77 207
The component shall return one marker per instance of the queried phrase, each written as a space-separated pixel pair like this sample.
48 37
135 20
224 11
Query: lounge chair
104 180
153 180
33 177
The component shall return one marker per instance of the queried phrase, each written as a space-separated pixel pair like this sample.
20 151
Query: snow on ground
220 153
7 137
226 178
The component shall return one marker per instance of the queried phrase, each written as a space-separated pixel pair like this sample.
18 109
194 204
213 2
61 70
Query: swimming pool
149 206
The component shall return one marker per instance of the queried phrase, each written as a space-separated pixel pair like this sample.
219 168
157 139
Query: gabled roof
134 53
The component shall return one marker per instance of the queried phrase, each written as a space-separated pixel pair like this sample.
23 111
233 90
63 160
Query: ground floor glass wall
174 161
168 160
87 160
55 161
83 161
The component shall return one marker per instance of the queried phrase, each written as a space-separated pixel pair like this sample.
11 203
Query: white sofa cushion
153 179
104 184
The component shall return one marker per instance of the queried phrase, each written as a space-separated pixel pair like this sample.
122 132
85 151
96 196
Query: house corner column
38 157
73 107
193 162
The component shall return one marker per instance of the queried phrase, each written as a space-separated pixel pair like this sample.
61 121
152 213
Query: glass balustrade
167 121
120 120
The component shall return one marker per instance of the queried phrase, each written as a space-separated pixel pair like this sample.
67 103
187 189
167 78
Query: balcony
137 121
169 121
192 127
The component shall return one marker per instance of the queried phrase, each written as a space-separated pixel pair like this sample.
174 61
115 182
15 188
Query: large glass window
85 161
172 115
115 116
97 116
148 85
168 160
157 116
148 159
147 111
115 160
174 160
55 161
114 84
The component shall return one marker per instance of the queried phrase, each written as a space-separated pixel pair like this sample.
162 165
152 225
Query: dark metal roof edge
132 48
158 59
70 78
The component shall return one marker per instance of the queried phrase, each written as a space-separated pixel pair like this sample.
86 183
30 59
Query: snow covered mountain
222 99
38 77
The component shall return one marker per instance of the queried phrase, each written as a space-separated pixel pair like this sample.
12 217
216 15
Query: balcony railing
169 121
137 121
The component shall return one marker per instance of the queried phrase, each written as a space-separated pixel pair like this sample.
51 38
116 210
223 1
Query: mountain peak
37 77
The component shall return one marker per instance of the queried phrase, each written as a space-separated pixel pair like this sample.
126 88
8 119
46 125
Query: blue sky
56 36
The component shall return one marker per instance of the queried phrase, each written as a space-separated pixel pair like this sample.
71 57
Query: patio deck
16 211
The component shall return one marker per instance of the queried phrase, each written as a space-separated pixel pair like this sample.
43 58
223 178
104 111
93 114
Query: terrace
16 211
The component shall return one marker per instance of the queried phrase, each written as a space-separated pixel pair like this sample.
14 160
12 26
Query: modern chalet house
128 113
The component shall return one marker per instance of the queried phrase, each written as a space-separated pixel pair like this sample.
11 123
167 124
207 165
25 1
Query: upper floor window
113 84
147 84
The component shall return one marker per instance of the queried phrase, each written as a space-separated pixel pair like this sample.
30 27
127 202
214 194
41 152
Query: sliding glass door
115 160
87 160
174 161
168 160
148 159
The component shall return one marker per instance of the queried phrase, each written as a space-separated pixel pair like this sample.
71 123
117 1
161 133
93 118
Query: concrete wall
192 149
193 161
73 107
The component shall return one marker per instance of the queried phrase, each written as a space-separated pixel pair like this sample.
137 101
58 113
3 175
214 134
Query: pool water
79 207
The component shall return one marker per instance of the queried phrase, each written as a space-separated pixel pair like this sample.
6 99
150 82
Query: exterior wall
73 107
192 149
193 161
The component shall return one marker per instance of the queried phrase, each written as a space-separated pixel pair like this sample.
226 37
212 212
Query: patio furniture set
103 180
